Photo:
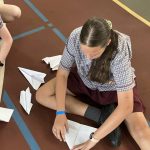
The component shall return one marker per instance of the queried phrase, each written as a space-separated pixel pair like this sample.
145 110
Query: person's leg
139 129
45 95
9 12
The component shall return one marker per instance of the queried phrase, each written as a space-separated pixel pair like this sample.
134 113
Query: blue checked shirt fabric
122 74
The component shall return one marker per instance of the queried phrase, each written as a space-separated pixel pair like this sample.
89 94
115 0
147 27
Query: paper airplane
25 100
5 114
35 78
78 133
53 61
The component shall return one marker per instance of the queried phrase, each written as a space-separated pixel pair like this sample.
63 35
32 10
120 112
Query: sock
93 113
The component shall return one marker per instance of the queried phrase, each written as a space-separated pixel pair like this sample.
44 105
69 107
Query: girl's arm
124 108
60 124
61 87
6 42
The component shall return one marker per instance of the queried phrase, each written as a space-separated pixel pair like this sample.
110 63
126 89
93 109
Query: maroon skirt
95 97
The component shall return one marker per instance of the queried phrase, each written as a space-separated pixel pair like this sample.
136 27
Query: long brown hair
97 32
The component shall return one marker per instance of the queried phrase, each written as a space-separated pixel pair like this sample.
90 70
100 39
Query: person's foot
115 135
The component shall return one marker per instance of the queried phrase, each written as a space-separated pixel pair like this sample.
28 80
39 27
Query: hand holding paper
78 133
25 100
35 78
53 61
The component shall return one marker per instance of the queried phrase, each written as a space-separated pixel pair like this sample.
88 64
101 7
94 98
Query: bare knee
39 96
16 12
45 91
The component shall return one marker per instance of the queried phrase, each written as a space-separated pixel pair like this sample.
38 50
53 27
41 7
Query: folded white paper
25 100
5 114
53 61
35 78
78 133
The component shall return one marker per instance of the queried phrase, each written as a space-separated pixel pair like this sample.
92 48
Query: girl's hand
60 127
85 146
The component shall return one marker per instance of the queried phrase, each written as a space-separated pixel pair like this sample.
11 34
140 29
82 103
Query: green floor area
141 7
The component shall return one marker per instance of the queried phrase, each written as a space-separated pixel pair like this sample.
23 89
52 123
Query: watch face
1 64
91 135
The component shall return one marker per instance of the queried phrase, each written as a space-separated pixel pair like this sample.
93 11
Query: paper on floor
35 78
53 61
25 100
5 114
78 133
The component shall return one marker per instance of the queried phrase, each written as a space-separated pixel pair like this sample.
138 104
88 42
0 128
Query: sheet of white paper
36 83
78 133
46 60
55 68
25 100
53 61
84 134
35 78
5 114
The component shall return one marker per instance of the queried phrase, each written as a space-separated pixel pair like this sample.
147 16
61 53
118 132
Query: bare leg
9 12
46 97
139 129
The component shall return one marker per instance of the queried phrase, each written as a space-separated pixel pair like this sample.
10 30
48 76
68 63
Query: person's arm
124 79
60 124
6 42
67 60
124 108
61 87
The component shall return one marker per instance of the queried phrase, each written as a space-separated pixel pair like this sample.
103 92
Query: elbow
10 40
126 109
129 109
62 74
126 102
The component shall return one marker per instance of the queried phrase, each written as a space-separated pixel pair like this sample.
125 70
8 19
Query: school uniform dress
122 76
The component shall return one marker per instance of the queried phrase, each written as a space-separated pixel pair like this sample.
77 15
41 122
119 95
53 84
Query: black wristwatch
91 135
1 64
92 138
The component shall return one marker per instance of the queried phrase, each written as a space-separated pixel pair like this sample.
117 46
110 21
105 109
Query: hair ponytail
100 67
